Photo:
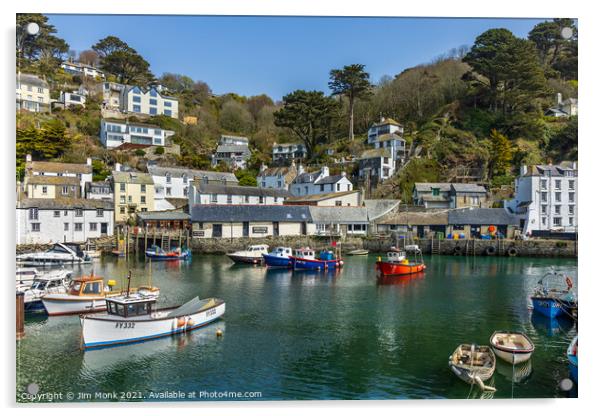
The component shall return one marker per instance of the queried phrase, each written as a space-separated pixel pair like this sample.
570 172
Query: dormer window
435 191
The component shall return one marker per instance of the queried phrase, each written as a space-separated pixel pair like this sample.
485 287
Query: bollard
20 316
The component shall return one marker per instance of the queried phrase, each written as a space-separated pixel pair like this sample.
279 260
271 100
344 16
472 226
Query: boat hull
276 261
35 306
245 259
398 269
309 264
101 333
71 305
512 347
164 257
550 307
510 357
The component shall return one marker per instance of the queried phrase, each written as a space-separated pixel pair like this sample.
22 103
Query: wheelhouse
86 287
260 248
305 253
283 251
127 307
396 256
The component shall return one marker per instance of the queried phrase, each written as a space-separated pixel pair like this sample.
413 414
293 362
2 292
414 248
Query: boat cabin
283 251
45 283
262 248
87 286
305 253
396 256
130 306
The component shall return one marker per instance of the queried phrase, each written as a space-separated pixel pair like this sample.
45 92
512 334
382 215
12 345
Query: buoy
378 258
190 323
111 283
219 333
181 322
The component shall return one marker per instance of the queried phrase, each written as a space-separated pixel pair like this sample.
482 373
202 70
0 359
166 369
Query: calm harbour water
305 335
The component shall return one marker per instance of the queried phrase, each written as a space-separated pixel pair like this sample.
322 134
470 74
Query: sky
276 55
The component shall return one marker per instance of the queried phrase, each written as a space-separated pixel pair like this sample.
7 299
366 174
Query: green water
306 335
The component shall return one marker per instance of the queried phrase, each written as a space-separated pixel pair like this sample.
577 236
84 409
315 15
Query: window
214 198
152 101
122 210
100 212
338 187
168 191
261 199
544 184
66 226
143 189
79 212
246 199
263 184
185 191
33 213
571 184
44 190
168 178
136 109
557 209
557 196
40 90
122 199
152 110
543 221
229 199
35 227
143 199
136 99
571 196
65 190
65 213
571 221
557 221
544 209
93 226
167 104
435 191
167 112
184 179
544 197
129 198
557 184
571 209
321 188
338 203
122 187
57 214
78 226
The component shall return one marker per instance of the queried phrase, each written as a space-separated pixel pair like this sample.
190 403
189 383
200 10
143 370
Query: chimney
263 167
382 119
523 170
28 158
118 167
325 171
89 161
559 98
300 169
344 174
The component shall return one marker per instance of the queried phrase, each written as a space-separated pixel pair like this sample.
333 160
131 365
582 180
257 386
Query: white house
111 95
149 101
563 108
99 190
546 197
376 164
219 194
33 93
285 152
233 151
277 178
71 170
114 133
310 183
385 126
72 99
336 221
331 199
172 183
44 221
76 68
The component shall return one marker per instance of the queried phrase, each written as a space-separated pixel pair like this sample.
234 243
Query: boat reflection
522 371
551 326
399 280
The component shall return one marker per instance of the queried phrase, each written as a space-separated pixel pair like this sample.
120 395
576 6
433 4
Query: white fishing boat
134 318
54 282
358 252
59 254
87 294
252 255
512 347
473 364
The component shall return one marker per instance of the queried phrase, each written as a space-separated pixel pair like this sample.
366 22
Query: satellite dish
32 28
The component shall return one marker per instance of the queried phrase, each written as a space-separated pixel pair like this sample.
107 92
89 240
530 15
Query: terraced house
79 174
134 192
115 133
33 93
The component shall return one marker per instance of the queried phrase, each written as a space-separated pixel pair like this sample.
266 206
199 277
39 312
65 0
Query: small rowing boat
512 347
473 364
358 252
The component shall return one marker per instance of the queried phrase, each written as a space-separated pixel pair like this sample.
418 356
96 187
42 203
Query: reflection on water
341 334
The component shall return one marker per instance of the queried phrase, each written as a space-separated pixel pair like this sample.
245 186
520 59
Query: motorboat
25 277
134 317
397 263
554 296
59 254
279 257
87 294
252 255
571 354
157 253
305 259
512 347
358 252
54 282
473 364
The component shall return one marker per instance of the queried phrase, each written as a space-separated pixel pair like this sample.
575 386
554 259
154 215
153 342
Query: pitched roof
233 148
132 177
163 216
31 79
387 121
306 177
52 180
64 203
214 188
468 188
275 171
483 216
192 173
58 167
549 170
374 153
320 197
389 136
228 136
250 213
431 217
428 186
339 215
379 207
330 179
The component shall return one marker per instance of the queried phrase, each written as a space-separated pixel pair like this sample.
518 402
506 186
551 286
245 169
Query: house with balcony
545 197
77 68
285 153
233 151
133 192
70 99
449 195
147 101
111 95
99 190
384 127
115 133
319 182
33 93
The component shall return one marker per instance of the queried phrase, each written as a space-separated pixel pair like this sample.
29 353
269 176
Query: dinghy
473 364
512 347
157 253
358 252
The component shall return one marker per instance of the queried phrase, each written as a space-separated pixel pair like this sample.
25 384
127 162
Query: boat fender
457 250
512 252
490 251
181 322
190 322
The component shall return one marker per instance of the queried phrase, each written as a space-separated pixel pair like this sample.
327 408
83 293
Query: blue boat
304 259
279 257
552 301
571 354
157 253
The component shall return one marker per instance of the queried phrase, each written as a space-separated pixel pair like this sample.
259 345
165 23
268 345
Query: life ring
457 251
512 252
490 251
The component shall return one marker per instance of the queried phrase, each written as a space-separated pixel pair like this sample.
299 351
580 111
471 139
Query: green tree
557 50
502 153
100 171
49 141
48 49
118 58
353 82
308 114
563 145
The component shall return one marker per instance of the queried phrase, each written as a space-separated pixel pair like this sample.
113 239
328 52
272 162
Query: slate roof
319 197
483 216
469 188
228 136
58 167
386 122
233 148
30 79
163 216
276 171
133 177
52 180
306 177
549 170
213 188
339 215
250 213
330 179
431 217
389 136
64 203
374 153
379 207
192 173
428 186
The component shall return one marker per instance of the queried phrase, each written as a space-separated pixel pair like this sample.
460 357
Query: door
276 228
245 229
420 231
303 228
103 228
217 230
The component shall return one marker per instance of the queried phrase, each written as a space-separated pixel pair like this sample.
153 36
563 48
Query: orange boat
397 263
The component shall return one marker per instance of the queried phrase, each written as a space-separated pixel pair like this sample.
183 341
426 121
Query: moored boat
358 252
252 255
157 253
87 294
305 259
49 283
552 300
571 354
397 264
512 347
473 364
59 254
134 318
279 257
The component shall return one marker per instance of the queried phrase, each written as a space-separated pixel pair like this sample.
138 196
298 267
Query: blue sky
276 55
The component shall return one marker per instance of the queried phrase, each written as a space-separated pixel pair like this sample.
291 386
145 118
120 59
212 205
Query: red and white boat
397 264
